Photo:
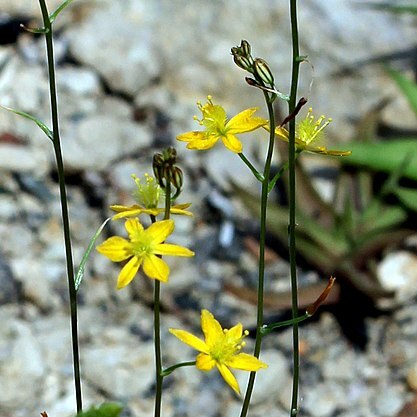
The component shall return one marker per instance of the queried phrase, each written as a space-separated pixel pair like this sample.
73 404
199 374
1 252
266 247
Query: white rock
398 272
23 358
323 399
270 381
122 368
22 158
121 49
79 81
36 286
389 400
102 139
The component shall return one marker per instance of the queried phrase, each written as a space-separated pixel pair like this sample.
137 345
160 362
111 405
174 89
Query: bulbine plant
150 221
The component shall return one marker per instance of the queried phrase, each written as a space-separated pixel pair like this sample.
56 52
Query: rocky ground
129 74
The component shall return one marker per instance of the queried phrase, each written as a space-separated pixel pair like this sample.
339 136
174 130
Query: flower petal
191 136
155 268
246 362
235 333
115 248
126 212
128 272
244 122
206 142
211 328
173 250
157 232
232 143
228 377
204 362
134 229
190 340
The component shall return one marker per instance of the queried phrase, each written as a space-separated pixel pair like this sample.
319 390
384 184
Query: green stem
64 202
261 271
255 172
159 374
292 220
172 368
268 328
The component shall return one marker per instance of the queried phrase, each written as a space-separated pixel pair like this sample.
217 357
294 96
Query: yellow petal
232 143
244 122
115 248
191 136
128 272
204 362
324 151
282 133
134 229
202 144
246 362
228 377
157 232
130 211
211 328
155 268
235 332
190 340
173 250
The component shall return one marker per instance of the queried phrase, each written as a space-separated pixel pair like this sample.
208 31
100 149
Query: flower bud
263 71
177 177
242 56
246 63
245 48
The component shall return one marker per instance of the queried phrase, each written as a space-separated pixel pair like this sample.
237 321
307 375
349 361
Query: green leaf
104 410
407 86
407 196
377 218
393 8
60 8
80 273
48 132
384 156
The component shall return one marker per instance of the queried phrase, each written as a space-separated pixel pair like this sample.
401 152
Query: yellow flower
149 196
218 127
221 348
307 132
143 247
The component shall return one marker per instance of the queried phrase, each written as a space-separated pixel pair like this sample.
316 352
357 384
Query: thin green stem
268 328
261 271
255 172
292 220
172 368
64 203
159 375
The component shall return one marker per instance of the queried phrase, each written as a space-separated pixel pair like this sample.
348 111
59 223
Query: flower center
148 193
227 346
214 118
309 130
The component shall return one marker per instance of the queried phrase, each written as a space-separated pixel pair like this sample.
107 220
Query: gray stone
99 140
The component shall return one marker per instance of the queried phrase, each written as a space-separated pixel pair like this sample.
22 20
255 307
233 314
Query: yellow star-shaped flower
218 127
221 348
308 131
149 196
144 247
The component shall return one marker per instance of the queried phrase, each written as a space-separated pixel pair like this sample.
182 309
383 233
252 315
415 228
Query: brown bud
177 177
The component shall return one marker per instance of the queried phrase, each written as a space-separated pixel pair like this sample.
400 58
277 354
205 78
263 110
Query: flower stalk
292 220
64 202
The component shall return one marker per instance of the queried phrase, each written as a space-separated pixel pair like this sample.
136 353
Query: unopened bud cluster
165 170
258 67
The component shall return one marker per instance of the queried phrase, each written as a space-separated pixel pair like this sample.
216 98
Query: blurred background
129 74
